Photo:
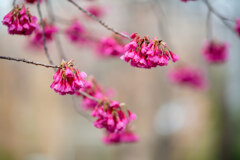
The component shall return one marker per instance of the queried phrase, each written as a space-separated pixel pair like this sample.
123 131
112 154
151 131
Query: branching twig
43 32
28 62
14 3
224 19
98 20
88 96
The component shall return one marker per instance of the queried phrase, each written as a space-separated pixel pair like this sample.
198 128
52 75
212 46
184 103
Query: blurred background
174 123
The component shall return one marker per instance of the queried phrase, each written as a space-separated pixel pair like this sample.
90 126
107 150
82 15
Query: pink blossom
20 21
67 79
110 116
215 52
76 32
97 11
147 53
124 137
188 76
110 46
237 28
37 38
32 1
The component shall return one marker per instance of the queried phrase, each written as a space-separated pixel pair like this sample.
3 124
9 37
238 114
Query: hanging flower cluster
37 38
188 76
32 1
215 52
237 28
20 21
147 53
76 32
67 79
110 46
114 120
125 137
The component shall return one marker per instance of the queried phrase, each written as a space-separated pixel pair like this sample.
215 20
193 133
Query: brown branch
28 62
43 32
14 3
98 20
88 96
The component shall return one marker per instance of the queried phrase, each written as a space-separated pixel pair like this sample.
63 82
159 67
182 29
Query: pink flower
96 10
20 21
32 1
110 46
237 28
67 79
76 32
124 137
215 52
37 38
147 53
188 76
110 116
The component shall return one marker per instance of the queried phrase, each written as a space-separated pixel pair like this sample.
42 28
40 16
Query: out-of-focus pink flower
147 53
37 38
215 52
67 79
20 21
76 32
97 11
188 76
237 28
124 137
110 47
32 1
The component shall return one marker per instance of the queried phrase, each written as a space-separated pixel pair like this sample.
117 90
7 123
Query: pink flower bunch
110 116
20 21
215 52
188 76
110 46
67 79
93 89
76 32
147 53
97 11
237 28
125 137
37 39
32 1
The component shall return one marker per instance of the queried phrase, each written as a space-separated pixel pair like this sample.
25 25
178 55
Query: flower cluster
147 53
215 52
188 76
237 28
76 32
32 1
110 46
20 21
37 39
67 79
112 118
125 137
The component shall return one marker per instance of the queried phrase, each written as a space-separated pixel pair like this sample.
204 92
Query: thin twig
28 62
208 25
43 32
88 96
98 20
14 3
76 106
57 39
224 19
